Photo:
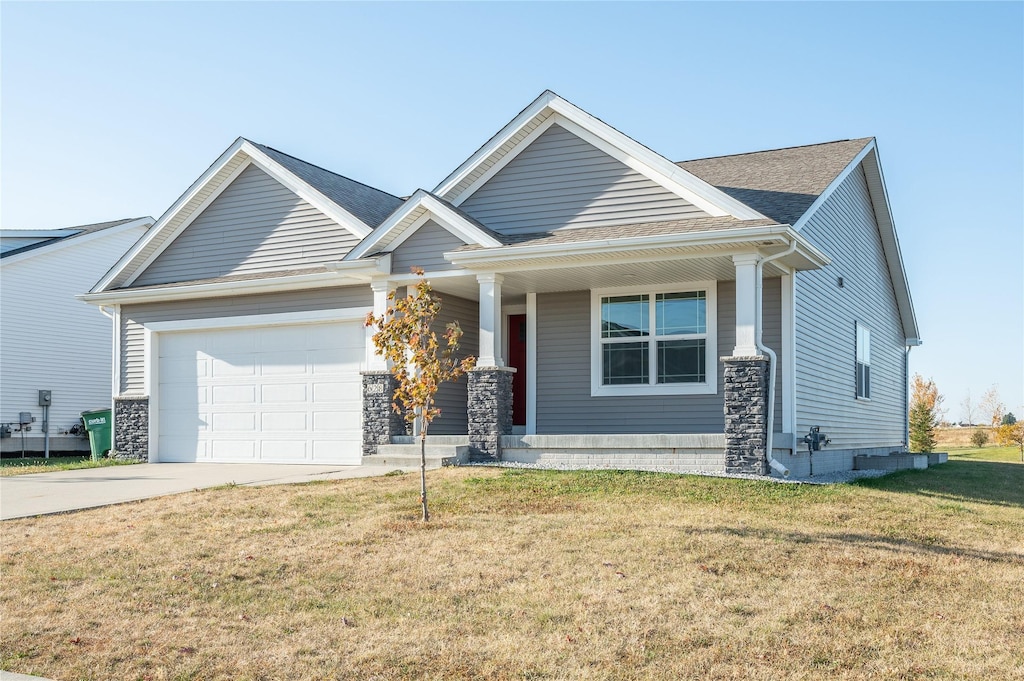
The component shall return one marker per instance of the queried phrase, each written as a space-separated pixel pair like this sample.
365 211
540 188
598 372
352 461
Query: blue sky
112 109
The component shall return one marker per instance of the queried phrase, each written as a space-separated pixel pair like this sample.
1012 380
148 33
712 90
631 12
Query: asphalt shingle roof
368 204
780 183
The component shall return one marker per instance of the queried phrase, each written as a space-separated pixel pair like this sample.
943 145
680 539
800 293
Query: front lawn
37 464
530 575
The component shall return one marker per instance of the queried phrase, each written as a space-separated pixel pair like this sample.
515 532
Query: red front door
517 359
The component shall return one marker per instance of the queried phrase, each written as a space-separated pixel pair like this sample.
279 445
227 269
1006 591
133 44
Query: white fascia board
868 158
499 139
891 245
70 241
306 191
442 214
781 234
293 282
614 143
168 215
839 179
658 168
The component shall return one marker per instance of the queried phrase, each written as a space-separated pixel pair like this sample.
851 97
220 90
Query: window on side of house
863 362
654 341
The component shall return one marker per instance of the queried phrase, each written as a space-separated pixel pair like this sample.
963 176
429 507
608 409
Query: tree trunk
423 470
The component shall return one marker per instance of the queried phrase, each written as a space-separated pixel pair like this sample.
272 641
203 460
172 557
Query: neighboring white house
48 339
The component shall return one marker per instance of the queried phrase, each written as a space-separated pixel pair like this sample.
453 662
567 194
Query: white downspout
773 463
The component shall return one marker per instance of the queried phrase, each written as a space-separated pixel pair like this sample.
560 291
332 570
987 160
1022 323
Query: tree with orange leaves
418 361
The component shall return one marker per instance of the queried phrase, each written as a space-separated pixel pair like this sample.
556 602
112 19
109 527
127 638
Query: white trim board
276 319
433 209
130 268
642 159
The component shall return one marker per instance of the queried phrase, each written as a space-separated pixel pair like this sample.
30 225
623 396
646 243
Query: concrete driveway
61 491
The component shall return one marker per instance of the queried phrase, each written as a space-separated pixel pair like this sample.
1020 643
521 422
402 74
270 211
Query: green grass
1004 454
37 464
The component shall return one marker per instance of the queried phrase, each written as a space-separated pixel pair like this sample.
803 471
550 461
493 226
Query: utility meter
44 398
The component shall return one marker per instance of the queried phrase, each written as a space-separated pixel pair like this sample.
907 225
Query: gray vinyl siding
135 317
255 225
826 317
451 397
425 249
564 403
562 181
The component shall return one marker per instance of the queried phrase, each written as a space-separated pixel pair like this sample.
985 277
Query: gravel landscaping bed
823 479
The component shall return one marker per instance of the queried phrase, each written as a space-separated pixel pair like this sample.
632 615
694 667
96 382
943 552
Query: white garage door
272 394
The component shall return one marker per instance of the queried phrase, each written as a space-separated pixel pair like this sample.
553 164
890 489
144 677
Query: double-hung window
863 362
654 341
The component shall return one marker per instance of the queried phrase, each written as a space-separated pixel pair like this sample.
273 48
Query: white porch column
490 320
381 289
746 304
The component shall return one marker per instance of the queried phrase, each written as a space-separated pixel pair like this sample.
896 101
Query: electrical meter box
44 398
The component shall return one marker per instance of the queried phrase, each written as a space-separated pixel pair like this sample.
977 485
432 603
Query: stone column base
380 421
131 428
746 414
489 407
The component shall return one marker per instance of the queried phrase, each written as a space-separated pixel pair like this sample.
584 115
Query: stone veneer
131 428
380 421
489 406
746 414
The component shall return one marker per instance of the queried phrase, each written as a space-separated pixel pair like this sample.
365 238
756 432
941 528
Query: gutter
773 463
783 233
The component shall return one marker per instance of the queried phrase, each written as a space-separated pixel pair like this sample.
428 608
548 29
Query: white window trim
856 360
709 387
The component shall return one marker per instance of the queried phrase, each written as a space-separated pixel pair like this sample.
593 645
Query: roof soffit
549 109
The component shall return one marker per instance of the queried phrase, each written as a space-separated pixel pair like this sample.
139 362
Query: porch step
408 455
892 462
431 440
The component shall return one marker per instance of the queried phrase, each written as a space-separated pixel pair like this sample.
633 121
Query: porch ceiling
655 270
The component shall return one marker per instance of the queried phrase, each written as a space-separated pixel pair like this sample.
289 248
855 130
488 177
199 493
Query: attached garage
266 392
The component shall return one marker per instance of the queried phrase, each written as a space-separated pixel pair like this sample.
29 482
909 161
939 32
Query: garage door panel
283 393
283 363
234 366
233 450
284 422
281 451
239 422
233 394
273 394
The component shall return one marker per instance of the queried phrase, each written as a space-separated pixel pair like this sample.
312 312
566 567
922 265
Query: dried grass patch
526 574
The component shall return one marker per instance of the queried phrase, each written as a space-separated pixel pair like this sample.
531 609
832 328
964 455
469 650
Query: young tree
1010 434
967 407
991 408
924 409
418 362
979 438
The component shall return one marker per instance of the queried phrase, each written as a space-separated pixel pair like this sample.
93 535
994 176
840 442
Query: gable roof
60 238
779 183
413 213
549 109
351 204
367 203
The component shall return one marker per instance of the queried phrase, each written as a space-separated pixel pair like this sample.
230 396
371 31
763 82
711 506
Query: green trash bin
98 424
